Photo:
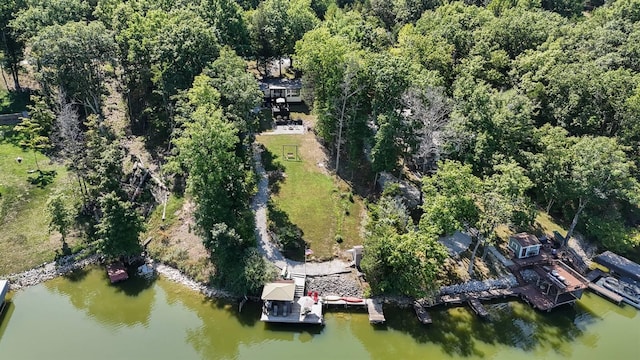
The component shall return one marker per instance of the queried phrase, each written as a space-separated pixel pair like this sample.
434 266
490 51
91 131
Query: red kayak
352 299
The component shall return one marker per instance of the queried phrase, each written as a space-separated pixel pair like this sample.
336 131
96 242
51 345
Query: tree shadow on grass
287 234
43 178
274 170
14 101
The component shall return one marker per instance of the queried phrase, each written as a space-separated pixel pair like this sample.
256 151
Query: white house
287 89
524 245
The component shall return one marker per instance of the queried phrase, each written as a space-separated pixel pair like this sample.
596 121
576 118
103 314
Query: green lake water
83 317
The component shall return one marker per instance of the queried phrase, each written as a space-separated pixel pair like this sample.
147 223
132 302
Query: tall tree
238 89
35 129
31 19
11 45
399 260
600 171
426 117
71 58
455 199
61 216
228 20
119 228
161 53
278 24
216 175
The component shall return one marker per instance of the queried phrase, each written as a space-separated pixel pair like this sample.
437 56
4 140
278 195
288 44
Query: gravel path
268 248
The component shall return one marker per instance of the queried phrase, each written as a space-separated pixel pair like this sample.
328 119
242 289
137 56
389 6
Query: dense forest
497 108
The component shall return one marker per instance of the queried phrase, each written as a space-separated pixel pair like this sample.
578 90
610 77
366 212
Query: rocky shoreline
70 263
48 271
345 284
175 275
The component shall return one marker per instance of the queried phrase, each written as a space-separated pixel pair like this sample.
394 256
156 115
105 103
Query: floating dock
374 307
477 308
605 293
376 315
294 315
422 313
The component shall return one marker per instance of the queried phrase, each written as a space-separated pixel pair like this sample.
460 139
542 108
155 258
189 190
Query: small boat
350 299
117 272
331 298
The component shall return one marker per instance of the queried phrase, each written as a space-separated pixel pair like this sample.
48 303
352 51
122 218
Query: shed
619 265
4 289
524 245
279 291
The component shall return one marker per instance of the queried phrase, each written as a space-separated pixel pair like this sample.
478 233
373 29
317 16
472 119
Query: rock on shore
338 284
176 275
50 270
70 263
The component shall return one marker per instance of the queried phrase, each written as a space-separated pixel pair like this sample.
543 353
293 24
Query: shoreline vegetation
74 262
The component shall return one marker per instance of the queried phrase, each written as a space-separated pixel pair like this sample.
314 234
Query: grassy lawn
25 241
321 205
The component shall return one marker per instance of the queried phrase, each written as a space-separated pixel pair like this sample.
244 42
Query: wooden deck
376 315
462 298
422 313
374 308
477 308
296 316
605 293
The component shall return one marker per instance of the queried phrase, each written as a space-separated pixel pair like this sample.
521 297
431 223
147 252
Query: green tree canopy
119 228
71 58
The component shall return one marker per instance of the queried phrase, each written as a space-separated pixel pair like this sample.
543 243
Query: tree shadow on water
274 169
134 285
77 275
458 330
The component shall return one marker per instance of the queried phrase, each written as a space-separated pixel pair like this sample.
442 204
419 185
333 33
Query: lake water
83 317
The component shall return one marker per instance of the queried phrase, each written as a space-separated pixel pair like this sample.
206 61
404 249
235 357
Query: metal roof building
619 265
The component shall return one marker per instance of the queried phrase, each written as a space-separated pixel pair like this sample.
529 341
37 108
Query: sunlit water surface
84 317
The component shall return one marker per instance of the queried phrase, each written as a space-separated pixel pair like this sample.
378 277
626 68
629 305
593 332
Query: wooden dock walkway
605 293
376 315
477 308
480 295
422 313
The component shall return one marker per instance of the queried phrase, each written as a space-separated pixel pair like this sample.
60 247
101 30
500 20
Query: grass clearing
25 241
321 205
545 223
